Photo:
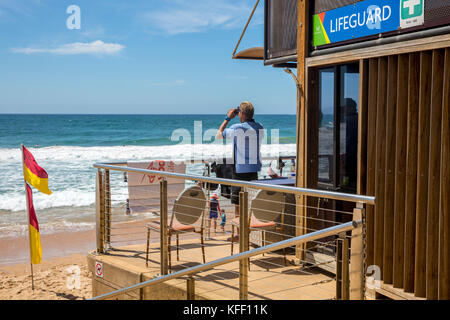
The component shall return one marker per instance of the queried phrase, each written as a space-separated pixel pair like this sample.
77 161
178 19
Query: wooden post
342 268
302 52
444 219
164 230
371 157
338 269
400 170
434 172
422 174
345 268
100 212
411 171
243 245
362 125
389 190
380 162
357 254
190 288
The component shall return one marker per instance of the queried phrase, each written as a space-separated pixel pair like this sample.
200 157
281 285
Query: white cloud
94 48
183 16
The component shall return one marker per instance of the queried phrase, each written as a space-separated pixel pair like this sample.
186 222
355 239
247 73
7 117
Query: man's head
246 111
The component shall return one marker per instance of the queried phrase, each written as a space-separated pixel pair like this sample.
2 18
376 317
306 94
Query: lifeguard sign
366 18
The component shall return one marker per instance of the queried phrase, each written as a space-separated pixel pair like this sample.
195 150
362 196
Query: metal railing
104 228
244 184
238 257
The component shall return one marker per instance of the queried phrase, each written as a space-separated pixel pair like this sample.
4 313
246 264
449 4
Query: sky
135 57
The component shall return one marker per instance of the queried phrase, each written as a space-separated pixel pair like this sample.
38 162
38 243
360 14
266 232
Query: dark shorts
248 176
213 215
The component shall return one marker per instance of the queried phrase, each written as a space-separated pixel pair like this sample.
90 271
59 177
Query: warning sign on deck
99 269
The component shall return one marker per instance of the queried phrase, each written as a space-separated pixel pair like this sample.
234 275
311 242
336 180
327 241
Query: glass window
326 124
348 135
338 127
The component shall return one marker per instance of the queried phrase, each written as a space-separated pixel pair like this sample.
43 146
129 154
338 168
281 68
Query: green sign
411 13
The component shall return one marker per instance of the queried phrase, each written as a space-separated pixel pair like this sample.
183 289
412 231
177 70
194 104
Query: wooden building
373 80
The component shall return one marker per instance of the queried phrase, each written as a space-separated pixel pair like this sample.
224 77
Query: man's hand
231 114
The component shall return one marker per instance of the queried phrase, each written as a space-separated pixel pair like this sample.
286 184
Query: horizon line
138 114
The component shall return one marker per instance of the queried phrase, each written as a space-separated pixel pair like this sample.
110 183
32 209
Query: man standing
247 136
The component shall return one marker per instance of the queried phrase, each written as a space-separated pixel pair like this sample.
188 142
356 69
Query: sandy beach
64 257
52 280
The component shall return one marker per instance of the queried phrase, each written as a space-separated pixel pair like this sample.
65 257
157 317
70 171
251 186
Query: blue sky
153 56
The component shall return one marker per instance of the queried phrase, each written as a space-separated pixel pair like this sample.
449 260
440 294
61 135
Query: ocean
67 146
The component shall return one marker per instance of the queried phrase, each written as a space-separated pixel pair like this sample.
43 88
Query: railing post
206 216
164 230
107 210
190 288
357 255
300 227
342 268
243 245
338 269
99 212
345 269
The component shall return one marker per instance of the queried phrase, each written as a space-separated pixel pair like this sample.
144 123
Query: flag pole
29 222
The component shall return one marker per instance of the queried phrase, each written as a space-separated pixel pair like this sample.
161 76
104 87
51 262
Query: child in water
223 218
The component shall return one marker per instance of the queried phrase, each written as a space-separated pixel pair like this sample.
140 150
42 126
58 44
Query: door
333 154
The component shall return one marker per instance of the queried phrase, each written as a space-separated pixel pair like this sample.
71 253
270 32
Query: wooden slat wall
391 114
411 171
444 218
408 169
422 173
362 125
400 170
380 162
371 153
434 176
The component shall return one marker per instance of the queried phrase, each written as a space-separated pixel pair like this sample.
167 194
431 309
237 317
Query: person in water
214 209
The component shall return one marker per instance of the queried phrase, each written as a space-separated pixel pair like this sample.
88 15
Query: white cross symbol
411 4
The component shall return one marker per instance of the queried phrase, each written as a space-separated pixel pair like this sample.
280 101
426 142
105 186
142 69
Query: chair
188 208
265 208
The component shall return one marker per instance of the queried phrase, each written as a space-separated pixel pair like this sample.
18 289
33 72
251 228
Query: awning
255 53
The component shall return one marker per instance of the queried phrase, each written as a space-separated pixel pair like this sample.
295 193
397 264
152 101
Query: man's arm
224 124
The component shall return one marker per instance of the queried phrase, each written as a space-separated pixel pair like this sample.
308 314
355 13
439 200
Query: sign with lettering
366 18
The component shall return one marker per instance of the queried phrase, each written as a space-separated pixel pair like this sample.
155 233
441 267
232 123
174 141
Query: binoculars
236 111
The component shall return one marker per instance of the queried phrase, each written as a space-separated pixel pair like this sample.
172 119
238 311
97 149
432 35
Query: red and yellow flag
35 238
33 173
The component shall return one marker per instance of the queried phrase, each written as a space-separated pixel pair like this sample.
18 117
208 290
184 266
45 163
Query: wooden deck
269 277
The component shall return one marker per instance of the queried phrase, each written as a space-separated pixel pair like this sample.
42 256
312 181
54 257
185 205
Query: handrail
203 160
243 255
245 184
